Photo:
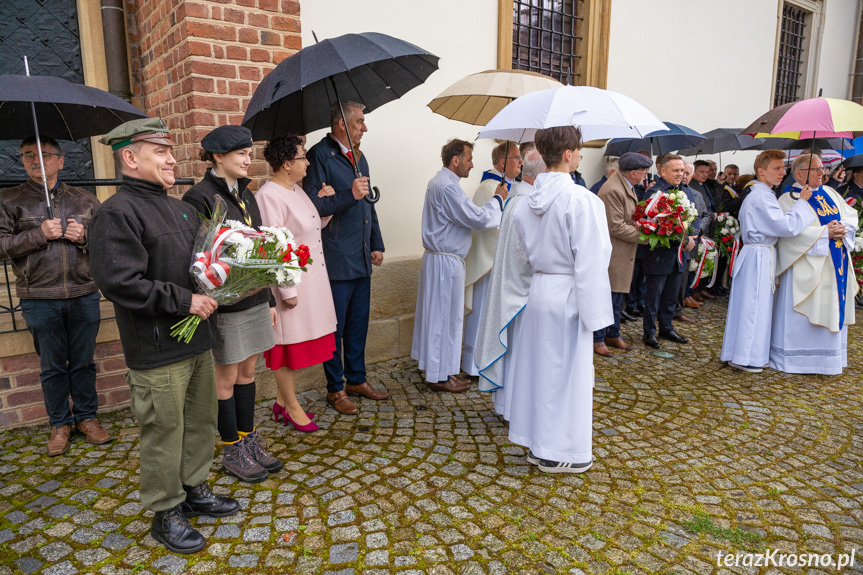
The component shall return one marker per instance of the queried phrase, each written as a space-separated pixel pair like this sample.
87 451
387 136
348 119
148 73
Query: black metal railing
789 64
546 38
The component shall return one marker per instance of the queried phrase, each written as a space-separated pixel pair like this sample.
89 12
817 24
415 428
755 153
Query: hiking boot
257 447
239 463
173 530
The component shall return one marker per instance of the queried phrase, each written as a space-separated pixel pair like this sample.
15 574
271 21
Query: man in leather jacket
59 299
143 242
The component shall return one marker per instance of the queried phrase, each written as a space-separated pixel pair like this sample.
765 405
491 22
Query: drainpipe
857 76
114 32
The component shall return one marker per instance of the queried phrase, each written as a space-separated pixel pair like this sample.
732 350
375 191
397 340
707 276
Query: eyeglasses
816 170
30 156
299 158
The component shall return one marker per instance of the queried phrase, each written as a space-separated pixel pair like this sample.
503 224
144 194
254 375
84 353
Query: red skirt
300 355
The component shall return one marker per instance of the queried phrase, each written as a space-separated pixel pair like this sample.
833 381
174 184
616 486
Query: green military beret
146 129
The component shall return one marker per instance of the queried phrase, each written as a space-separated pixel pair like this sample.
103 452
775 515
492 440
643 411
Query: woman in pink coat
307 317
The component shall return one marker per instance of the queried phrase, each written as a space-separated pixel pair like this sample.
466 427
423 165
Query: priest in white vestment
477 264
746 345
448 218
815 298
563 229
509 283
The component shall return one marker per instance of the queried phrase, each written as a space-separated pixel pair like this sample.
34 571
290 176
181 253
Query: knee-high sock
228 421
244 395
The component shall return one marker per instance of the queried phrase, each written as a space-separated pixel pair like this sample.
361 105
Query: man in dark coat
143 241
59 299
352 245
662 269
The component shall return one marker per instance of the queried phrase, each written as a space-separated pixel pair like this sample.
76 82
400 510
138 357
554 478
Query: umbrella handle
374 195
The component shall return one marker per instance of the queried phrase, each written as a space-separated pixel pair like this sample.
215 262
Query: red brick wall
196 63
21 392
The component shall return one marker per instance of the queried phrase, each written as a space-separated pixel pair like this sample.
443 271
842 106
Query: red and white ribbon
210 273
708 245
735 248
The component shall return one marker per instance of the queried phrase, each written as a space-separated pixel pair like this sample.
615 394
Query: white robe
750 307
806 337
448 218
477 265
563 229
509 283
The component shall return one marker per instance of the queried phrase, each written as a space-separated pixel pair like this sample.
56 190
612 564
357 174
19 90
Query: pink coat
314 316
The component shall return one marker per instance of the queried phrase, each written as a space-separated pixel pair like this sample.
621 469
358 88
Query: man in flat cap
618 195
144 240
59 299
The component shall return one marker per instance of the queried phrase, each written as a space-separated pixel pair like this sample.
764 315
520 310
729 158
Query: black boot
173 530
201 501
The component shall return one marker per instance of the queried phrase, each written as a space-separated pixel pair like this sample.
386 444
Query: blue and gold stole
489 175
828 211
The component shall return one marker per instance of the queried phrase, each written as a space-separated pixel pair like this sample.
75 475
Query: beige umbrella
475 99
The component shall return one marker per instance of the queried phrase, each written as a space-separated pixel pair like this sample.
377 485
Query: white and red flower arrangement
664 217
232 261
727 237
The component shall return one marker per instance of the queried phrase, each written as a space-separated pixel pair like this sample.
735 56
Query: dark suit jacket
662 260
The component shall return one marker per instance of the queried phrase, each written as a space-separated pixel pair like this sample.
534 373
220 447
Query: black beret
226 139
633 161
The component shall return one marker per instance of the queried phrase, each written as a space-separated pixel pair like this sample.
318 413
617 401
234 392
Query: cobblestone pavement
692 459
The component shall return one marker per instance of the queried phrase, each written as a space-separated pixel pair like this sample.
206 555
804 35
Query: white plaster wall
404 138
710 64
837 48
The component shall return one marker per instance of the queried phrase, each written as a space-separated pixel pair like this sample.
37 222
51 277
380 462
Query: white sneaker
749 368
531 458
560 467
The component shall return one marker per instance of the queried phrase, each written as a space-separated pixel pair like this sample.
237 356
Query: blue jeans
612 331
352 300
64 335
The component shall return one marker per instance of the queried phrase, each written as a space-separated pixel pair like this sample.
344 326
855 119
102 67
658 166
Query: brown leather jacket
57 269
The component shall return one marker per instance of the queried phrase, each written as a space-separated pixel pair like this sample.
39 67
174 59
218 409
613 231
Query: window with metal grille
790 63
547 38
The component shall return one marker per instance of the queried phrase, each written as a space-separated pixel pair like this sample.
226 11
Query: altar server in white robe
448 218
509 284
746 345
562 227
507 163
815 299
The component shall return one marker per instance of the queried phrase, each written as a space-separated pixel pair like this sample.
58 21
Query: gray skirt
243 334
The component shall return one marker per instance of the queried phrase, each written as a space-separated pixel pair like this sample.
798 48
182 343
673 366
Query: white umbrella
599 114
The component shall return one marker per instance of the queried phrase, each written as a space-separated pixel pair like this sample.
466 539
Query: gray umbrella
720 140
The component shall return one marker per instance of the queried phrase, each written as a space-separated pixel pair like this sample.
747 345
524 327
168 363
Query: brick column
196 63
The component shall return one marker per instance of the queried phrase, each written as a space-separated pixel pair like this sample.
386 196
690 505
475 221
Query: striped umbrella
812 118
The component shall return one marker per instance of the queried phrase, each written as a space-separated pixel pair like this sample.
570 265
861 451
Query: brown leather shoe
704 294
342 403
452 385
599 348
618 343
366 390
461 380
684 319
691 303
94 432
59 442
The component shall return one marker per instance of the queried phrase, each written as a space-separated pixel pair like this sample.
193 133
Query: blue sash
828 211
489 175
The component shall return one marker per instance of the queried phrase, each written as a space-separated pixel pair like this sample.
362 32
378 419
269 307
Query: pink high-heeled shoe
307 428
279 410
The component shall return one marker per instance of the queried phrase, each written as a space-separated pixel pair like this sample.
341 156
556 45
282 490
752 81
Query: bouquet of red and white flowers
664 217
727 237
704 263
232 261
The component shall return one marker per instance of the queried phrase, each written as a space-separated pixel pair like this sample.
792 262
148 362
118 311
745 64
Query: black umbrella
369 68
837 144
852 162
65 110
720 140
660 142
